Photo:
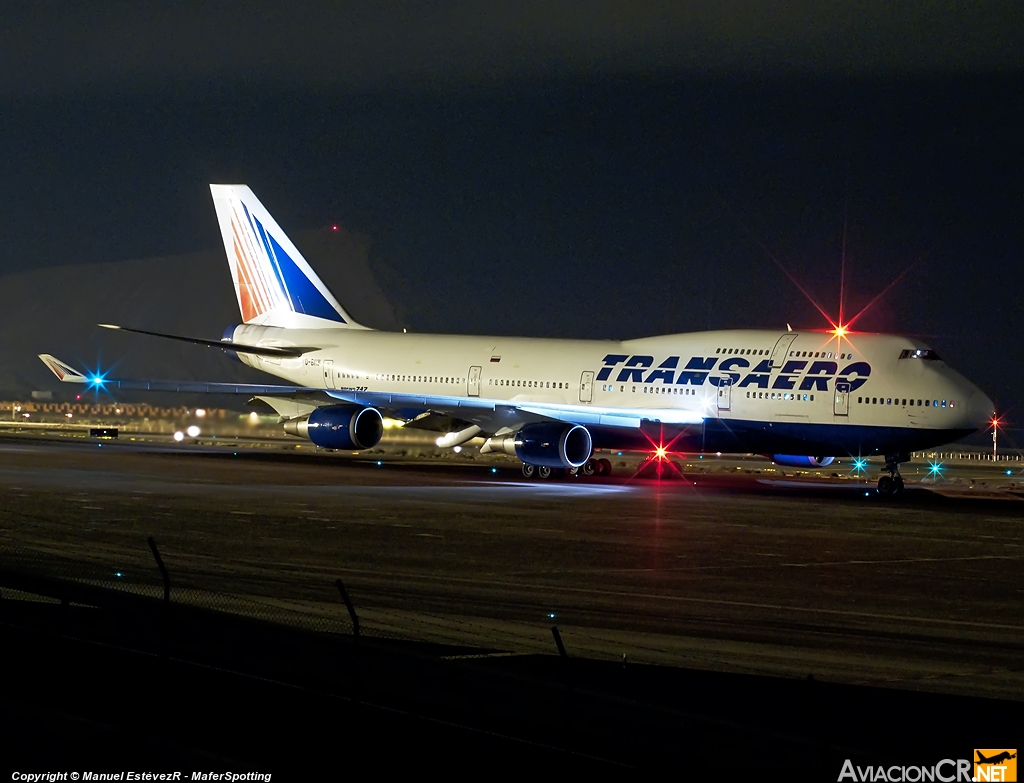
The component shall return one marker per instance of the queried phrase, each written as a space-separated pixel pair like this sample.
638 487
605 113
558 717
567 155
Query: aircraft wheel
588 468
886 486
544 472
529 471
897 485
573 472
604 467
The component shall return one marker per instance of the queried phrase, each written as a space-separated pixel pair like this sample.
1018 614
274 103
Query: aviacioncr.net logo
945 771
995 764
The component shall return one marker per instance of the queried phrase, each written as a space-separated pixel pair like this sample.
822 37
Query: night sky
579 169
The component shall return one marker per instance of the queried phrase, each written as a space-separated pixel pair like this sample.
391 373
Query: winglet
64 372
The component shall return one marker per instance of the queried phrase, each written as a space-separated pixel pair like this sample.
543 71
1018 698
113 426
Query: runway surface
727 573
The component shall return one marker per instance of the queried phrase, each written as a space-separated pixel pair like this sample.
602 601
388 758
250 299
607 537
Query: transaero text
734 371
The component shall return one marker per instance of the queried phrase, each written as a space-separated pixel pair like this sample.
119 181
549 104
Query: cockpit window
919 353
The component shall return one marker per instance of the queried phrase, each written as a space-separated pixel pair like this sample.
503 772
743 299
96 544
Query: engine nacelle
554 445
797 461
347 427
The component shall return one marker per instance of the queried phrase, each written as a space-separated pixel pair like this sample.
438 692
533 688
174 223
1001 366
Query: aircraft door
781 350
841 406
725 393
587 387
328 368
474 381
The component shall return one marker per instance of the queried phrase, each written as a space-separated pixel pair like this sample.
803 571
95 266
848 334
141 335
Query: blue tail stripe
303 296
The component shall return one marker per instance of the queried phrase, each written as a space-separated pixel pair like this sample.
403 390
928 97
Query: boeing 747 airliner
801 397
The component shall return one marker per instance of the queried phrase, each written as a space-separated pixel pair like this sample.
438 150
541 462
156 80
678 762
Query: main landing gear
592 467
892 485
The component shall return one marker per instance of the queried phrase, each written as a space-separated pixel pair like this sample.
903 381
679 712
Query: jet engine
348 427
554 445
797 461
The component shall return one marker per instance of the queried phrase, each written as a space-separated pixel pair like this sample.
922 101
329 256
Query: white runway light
179 436
193 431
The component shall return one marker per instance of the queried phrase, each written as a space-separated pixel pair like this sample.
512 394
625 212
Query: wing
67 374
492 416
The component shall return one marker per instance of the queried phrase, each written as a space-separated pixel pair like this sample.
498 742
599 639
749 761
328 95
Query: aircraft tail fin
274 284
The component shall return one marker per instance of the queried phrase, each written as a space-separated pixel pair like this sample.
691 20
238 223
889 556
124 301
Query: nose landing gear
891 485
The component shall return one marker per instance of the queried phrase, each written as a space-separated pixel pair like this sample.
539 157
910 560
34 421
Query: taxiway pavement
723 573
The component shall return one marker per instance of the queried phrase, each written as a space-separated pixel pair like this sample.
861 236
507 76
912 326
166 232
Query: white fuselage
770 381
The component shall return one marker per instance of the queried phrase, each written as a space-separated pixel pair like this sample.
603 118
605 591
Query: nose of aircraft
980 410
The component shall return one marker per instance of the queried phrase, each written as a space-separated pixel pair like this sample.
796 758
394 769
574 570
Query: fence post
163 569
351 609
558 641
